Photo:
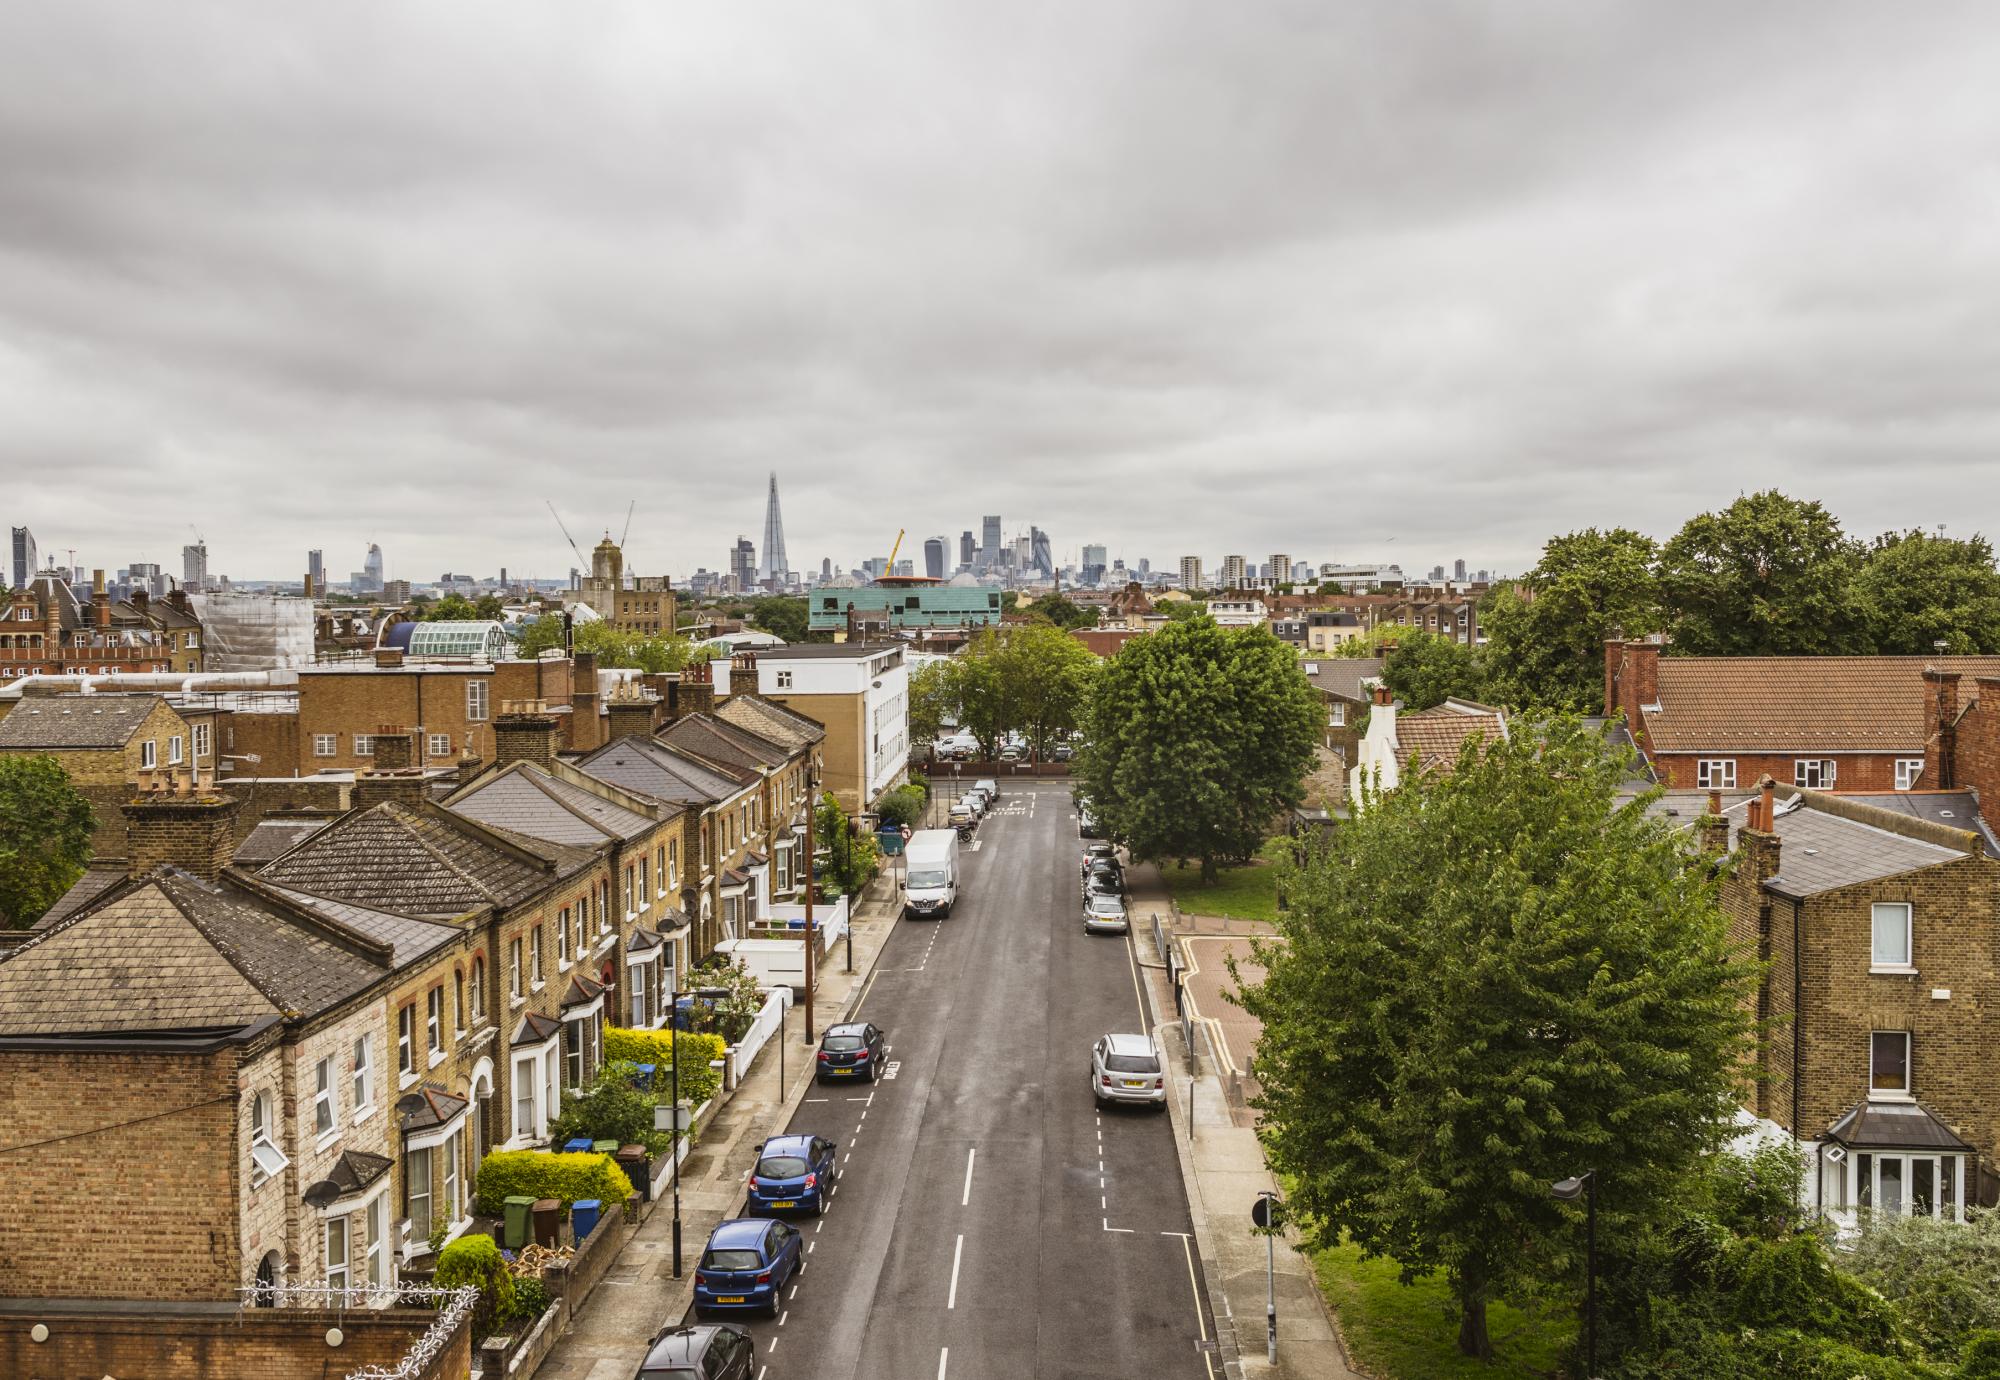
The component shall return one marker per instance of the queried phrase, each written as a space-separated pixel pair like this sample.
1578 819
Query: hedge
699 1082
508 1174
475 1259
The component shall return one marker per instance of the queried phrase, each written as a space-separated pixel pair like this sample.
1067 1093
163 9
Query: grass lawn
1242 893
1410 1332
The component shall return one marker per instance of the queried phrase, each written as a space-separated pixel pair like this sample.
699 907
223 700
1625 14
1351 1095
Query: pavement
1222 1160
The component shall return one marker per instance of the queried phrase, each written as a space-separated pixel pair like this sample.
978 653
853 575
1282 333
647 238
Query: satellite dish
409 1104
322 1193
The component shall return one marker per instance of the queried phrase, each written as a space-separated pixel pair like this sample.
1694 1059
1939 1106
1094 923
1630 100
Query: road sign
1268 1211
906 833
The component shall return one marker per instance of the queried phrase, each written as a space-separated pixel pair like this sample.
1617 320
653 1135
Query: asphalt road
988 1220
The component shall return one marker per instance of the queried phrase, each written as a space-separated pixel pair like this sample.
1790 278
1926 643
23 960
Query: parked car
975 802
1104 913
989 787
1128 1068
1063 752
985 797
853 1050
1104 879
1095 853
963 820
746 1264
1086 822
712 1351
1013 753
793 1173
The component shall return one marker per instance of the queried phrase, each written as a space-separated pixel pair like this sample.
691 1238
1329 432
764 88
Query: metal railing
453 1305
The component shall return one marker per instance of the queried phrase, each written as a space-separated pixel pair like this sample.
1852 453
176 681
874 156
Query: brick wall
1854 771
134 1192
1975 742
256 1344
273 739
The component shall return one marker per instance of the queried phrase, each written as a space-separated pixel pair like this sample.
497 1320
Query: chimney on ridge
180 821
525 731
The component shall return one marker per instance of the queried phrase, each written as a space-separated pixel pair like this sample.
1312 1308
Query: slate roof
1342 675
421 860
535 1029
1430 739
582 991
1820 852
430 1106
170 952
1800 703
1953 809
707 736
1893 1126
76 721
651 768
780 725
272 838
97 878
407 937
354 1171
530 800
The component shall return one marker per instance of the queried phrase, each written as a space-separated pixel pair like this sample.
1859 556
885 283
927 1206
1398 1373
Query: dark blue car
747 1262
793 1173
850 1051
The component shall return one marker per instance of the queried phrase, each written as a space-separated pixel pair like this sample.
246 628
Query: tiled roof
1343 675
1430 740
407 937
535 1029
651 768
428 1107
172 952
97 879
1893 1126
707 736
772 721
76 721
582 991
1953 809
1800 703
273 838
420 860
529 800
352 1172
1819 852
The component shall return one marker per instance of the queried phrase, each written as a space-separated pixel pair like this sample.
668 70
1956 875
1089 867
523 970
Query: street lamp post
1568 1191
673 1030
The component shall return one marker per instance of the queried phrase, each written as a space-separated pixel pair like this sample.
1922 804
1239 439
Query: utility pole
812 885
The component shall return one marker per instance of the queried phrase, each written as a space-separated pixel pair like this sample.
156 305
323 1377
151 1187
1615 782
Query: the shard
775 568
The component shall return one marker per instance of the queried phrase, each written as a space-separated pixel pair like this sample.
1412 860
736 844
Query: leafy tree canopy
1063 612
1028 678
456 608
1200 738
1918 590
544 634
781 617
1545 637
1182 610
1767 576
1488 980
45 832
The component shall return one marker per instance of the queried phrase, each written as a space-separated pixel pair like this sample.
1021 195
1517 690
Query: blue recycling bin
642 1076
579 1146
583 1216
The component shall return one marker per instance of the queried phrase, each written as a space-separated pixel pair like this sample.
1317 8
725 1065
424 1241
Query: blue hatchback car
747 1262
793 1173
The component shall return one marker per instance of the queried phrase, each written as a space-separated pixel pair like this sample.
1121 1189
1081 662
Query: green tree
544 634
1064 613
1200 737
1488 980
45 831
489 608
616 648
1031 678
782 618
1917 590
1545 636
611 1108
1182 610
848 856
1767 576
1424 670
933 699
452 608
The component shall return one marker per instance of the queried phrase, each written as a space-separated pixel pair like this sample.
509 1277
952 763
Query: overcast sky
1347 280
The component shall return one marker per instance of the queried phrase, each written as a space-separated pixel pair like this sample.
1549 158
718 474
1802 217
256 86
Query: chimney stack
1714 826
1758 837
100 600
526 731
388 657
179 821
633 712
1941 742
1381 694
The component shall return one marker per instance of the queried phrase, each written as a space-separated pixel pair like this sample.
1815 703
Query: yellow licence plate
1131 1083
792 1203
733 1298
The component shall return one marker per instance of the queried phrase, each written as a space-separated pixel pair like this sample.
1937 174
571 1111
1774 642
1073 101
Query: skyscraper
743 565
1458 569
1095 559
316 570
194 567
1281 568
372 568
966 551
1234 572
27 560
825 568
934 558
989 541
1191 573
775 568
1041 557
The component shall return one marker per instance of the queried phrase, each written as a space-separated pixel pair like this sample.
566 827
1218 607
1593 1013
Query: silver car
1104 913
988 785
1128 1068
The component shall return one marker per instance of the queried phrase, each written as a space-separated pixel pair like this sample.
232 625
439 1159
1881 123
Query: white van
930 885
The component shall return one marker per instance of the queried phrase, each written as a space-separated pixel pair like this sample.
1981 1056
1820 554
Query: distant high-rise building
194 567
1040 556
775 567
989 540
1458 569
934 558
316 570
966 551
905 568
1191 573
1093 564
1235 573
1302 571
743 565
27 559
826 568
1281 568
1437 572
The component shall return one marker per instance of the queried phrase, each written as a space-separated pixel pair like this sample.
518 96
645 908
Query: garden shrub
475 1259
1792 1284
698 1081
1943 1277
531 1300
611 1108
508 1174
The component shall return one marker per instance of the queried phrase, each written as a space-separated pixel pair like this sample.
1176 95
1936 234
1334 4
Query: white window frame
479 990
784 680
326 1102
440 744
337 1264
516 990
476 701
535 979
364 1075
204 741
176 750
406 1040
1336 714
452 1149
1825 769
434 1022
149 755
364 745
562 939
1909 771
1715 773
632 896
1893 911
377 1239
326 745
527 1093
1903 1093
267 1161
420 1229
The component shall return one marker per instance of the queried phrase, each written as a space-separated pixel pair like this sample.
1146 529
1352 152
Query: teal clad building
908 605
